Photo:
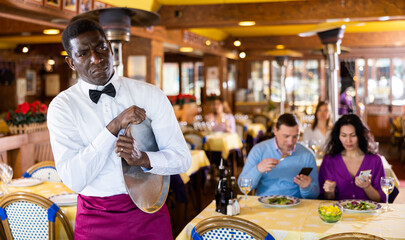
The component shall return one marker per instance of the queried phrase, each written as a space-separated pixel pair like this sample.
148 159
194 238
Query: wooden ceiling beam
352 40
279 13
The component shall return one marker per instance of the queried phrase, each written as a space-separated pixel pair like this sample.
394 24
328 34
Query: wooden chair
241 130
227 227
352 236
196 138
43 170
261 118
190 144
30 216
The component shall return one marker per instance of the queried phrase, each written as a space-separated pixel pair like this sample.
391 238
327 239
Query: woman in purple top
221 119
350 150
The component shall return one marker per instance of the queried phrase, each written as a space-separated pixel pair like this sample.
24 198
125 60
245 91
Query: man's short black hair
78 27
287 119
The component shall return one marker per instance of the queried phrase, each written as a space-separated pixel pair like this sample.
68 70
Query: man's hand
267 164
329 186
302 180
126 148
133 114
361 183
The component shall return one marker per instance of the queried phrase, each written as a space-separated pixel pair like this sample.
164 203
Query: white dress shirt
84 148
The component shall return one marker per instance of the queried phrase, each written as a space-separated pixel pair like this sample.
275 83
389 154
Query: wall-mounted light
25 49
237 43
51 62
51 31
242 54
208 43
186 49
246 23
280 46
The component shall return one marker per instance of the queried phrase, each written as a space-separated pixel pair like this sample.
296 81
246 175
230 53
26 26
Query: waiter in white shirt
84 122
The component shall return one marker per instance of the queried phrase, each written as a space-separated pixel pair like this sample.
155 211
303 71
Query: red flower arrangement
27 113
181 99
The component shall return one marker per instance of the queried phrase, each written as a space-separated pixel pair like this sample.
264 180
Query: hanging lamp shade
117 22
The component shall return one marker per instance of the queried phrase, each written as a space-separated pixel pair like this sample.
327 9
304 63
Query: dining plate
67 199
279 201
359 206
24 182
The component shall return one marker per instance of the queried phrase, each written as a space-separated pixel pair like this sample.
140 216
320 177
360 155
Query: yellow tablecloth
223 142
253 129
198 160
302 221
47 189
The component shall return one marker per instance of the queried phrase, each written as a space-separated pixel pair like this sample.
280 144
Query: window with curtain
187 78
398 81
171 78
378 84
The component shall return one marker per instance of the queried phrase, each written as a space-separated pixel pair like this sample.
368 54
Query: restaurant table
48 189
303 222
222 142
255 129
199 160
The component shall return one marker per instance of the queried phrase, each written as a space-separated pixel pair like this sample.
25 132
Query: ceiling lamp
280 46
51 31
186 49
208 43
63 53
246 23
25 49
242 54
237 43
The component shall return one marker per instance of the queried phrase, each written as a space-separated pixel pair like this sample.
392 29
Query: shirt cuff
155 159
104 142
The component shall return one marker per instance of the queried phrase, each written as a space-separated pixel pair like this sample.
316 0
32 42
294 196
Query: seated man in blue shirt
274 165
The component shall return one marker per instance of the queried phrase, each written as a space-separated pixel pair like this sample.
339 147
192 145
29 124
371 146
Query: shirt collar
85 86
279 150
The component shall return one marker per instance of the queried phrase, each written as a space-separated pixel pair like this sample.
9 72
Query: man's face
286 137
92 58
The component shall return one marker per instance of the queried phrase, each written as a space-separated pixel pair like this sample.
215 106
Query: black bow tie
96 94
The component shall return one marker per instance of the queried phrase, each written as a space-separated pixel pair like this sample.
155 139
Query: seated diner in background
320 129
275 164
351 150
221 118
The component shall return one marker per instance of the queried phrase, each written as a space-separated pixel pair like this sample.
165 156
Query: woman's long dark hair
365 139
328 121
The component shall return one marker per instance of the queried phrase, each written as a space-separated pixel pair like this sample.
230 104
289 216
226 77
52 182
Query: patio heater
331 40
117 23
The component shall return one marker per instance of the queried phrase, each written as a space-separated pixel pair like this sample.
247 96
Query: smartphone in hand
364 174
306 171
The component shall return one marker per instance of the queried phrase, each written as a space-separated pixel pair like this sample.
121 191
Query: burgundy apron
118 218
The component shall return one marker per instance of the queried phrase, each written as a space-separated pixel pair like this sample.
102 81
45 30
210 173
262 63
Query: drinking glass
387 185
245 185
6 172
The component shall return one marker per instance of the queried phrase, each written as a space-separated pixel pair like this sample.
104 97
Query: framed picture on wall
85 5
31 81
53 3
70 5
52 85
99 5
137 67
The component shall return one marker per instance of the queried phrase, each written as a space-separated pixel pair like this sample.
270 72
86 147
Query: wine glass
6 172
245 185
387 185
